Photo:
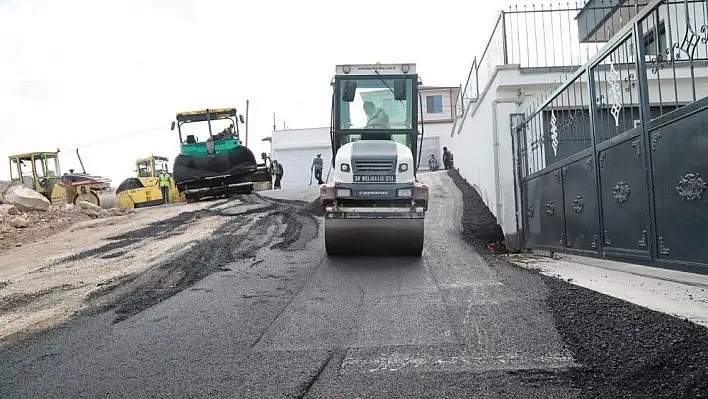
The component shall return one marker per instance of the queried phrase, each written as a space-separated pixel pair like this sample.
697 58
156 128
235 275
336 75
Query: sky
107 77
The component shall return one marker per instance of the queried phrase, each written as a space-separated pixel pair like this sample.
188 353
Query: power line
117 138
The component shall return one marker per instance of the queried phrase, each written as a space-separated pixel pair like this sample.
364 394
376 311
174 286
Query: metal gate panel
680 169
625 216
545 215
580 192
532 221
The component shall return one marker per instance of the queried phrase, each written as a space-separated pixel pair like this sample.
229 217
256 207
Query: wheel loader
41 172
144 189
375 204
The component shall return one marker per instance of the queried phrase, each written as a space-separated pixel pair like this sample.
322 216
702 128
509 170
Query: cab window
144 169
26 170
53 166
39 166
14 176
161 166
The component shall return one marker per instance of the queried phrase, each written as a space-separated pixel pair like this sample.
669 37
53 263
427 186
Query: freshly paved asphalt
299 324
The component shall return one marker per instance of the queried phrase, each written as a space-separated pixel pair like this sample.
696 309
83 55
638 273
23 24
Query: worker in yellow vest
164 181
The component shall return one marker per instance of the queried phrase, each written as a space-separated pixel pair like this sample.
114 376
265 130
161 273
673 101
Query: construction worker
278 172
317 166
164 181
447 159
433 163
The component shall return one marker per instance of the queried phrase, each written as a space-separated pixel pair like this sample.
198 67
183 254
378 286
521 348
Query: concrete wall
481 140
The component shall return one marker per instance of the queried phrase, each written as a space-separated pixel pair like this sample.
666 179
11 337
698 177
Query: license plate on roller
374 178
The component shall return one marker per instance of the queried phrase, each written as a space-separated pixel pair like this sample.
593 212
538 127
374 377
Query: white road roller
375 204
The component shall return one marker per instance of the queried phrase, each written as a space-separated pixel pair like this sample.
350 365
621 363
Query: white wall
297 147
481 140
449 100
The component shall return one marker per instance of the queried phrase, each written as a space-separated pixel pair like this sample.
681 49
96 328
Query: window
374 105
14 170
434 104
144 169
39 166
53 166
650 39
161 166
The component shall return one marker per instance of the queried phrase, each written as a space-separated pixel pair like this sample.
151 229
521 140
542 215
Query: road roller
375 204
40 171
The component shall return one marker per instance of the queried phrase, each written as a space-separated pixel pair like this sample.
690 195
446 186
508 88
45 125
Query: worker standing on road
278 172
164 180
317 166
447 159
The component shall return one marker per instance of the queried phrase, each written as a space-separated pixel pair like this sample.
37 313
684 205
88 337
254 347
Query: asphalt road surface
290 322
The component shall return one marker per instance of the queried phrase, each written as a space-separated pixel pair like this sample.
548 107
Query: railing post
476 79
592 109
645 116
503 28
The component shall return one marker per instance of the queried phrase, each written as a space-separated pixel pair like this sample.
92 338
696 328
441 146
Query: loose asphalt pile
625 351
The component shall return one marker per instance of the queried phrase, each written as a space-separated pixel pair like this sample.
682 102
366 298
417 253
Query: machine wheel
104 200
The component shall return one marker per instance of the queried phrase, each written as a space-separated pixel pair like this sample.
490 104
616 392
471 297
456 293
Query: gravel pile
629 351
625 350
478 222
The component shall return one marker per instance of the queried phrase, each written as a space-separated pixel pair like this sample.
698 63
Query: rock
8 209
25 199
87 206
121 211
19 222
4 186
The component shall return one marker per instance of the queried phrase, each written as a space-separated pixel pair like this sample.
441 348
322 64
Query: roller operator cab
375 204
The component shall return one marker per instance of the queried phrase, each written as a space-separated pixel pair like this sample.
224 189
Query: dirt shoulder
130 263
45 280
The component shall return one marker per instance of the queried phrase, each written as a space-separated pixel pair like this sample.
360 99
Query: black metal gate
614 162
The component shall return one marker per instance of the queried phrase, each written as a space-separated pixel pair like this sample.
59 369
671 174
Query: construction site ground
237 298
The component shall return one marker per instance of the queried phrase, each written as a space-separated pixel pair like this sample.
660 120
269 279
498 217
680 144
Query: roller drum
105 200
379 237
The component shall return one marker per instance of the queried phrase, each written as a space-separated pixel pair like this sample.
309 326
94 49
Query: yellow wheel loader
144 189
40 171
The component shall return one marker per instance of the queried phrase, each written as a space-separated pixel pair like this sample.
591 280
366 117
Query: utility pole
273 121
246 141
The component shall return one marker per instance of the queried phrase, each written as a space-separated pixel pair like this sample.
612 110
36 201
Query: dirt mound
18 228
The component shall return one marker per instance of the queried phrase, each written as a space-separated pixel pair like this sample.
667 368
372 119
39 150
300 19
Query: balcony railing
545 36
